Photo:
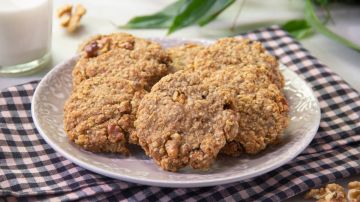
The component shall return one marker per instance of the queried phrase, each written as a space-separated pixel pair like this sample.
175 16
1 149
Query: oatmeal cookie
231 51
262 108
183 56
127 57
183 122
100 113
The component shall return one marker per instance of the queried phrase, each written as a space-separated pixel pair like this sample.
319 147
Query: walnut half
331 193
69 17
354 191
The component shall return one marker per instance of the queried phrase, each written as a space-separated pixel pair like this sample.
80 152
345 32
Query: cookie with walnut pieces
232 51
99 115
183 121
262 107
121 55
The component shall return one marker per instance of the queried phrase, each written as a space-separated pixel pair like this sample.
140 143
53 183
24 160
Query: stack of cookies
182 105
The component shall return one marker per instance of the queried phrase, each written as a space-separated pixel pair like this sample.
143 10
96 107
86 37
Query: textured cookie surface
124 56
262 108
183 56
231 51
103 43
100 113
183 122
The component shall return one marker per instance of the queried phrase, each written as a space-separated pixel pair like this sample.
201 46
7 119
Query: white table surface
102 15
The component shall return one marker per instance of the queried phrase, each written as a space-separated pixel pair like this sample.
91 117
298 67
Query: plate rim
165 183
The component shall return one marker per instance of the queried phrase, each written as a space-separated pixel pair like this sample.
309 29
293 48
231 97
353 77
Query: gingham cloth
30 169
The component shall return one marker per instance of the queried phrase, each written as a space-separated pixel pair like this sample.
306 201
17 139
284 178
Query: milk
25 30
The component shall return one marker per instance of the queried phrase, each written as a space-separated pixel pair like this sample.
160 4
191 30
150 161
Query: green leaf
301 34
322 2
150 21
181 14
314 21
161 19
298 28
190 13
216 9
294 25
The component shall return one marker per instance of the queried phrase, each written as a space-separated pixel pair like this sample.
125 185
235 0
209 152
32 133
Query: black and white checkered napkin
30 169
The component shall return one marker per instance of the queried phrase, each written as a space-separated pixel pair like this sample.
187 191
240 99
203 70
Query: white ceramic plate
55 87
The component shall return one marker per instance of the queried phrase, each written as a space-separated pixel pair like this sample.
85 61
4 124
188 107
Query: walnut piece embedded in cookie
232 51
124 56
330 193
183 56
184 122
100 112
262 108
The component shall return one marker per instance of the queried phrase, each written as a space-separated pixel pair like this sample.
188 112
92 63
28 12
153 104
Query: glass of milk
25 34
